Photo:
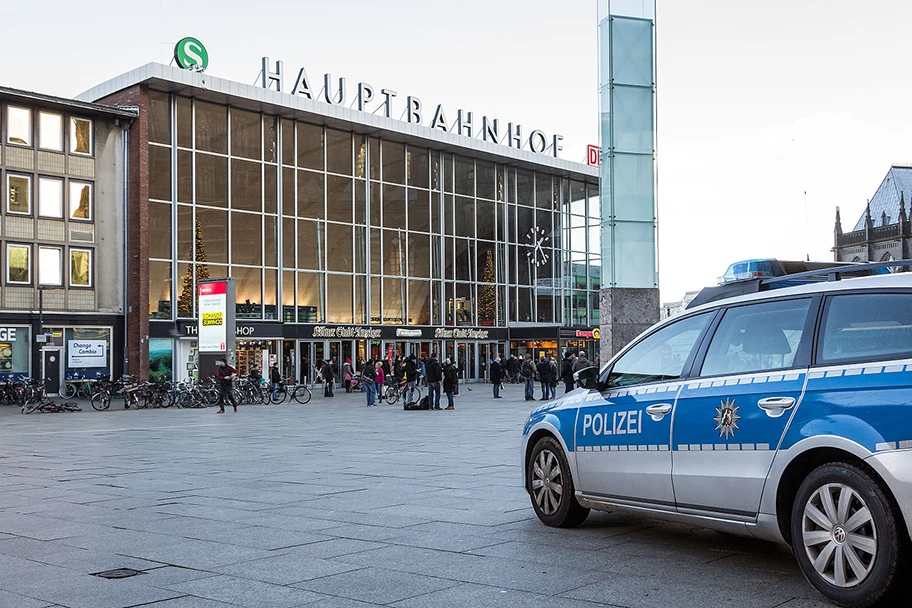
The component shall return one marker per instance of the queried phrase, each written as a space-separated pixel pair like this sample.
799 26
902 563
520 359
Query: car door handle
657 411
775 406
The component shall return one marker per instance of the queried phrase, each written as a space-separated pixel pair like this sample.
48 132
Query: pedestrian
581 362
347 373
450 382
512 367
496 376
368 376
276 378
225 374
567 372
433 374
379 380
422 371
329 378
528 371
544 376
555 374
410 371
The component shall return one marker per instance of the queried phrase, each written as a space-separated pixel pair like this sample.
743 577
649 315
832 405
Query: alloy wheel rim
839 535
547 482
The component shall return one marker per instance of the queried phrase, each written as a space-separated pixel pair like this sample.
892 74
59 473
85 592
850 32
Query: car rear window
866 327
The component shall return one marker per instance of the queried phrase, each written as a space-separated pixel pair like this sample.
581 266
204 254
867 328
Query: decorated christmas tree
487 294
188 290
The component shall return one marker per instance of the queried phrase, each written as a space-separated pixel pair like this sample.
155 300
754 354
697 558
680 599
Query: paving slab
334 505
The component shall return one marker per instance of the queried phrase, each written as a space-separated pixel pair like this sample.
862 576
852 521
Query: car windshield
660 356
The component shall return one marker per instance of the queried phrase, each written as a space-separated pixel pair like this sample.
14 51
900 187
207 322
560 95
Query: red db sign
592 154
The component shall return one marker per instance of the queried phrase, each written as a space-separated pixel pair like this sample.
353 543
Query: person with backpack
433 374
450 382
544 376
528 371
496 376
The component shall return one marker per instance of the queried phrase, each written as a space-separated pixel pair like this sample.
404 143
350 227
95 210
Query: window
50 131
50 197
49 271
756 338
80 201
865 327
19 126
80 268
80 136
17 264
18 188
660 356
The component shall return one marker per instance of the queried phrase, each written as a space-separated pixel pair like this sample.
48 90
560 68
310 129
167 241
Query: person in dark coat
544 376
450 382
496 376
433 375
567 372
225 374
329 378
410 369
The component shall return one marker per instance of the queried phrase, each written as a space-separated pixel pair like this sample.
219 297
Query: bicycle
393 391
300 393
51 407
77 386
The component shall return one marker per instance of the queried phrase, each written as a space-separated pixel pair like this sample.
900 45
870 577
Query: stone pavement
333 504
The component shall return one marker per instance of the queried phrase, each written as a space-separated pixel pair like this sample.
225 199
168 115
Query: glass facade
343 228
627 99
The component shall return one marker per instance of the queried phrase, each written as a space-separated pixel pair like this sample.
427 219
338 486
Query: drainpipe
126 232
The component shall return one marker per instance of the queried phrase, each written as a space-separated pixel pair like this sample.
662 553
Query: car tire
858 565
551 486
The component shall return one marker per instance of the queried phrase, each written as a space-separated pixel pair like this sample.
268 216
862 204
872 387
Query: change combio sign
212 332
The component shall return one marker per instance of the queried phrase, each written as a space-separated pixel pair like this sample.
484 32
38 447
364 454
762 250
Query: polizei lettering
334 92
613 423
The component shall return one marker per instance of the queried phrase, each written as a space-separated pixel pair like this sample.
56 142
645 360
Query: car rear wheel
551 487
848 537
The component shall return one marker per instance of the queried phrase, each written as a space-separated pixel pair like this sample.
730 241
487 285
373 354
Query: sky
770 114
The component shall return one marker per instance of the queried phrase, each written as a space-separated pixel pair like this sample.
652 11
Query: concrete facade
626 313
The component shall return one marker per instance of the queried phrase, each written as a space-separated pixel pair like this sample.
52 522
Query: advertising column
216 325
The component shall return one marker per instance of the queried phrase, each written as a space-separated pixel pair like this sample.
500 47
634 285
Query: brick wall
137 229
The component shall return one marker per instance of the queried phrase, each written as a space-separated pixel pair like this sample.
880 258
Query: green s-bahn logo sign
190 54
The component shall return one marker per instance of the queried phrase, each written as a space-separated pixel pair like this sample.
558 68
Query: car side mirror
587 378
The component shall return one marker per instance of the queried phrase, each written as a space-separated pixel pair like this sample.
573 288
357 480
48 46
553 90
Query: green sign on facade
189 53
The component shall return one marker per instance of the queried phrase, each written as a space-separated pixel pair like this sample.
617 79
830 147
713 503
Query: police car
782 414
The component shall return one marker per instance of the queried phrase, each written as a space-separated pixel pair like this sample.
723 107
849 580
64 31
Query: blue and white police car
782 414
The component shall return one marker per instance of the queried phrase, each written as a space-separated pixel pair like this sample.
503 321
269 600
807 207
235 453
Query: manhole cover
118 573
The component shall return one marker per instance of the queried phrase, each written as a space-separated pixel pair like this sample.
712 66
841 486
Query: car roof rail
833 273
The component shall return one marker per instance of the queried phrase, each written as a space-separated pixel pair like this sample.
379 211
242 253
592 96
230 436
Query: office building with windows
61 242
349 233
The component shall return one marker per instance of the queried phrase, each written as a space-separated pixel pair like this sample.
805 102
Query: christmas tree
487 294
188 292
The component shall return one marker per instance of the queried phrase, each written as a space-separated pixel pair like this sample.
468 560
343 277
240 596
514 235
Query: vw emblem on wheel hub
839 535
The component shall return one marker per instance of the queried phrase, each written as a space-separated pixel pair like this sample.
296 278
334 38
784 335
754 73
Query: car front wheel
848 537
551 487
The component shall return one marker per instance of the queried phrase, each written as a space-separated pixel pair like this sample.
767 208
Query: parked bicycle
394 390
299 393
77 385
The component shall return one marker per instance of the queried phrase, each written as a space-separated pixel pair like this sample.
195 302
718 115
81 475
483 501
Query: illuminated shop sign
335 92
212 329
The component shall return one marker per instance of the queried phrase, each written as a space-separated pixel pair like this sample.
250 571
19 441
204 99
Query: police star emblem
727 418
